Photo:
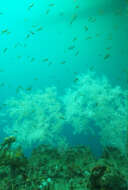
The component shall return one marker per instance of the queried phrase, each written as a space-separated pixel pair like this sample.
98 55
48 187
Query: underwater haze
64 72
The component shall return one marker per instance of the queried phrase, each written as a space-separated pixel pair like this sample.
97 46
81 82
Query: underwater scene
64 95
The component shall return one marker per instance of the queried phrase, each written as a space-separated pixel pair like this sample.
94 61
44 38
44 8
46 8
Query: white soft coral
35 117
95 100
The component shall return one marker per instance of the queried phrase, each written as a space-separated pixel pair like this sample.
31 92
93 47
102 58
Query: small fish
32 59
35 78
24 45
63 62
74 17
77 6
34 25
101 12
91 19
25 19
2 84
45 60
92 68
81 94
76 79
108 48
109 37
29 88
47 11
8 32
71 47
74 39
18 154
98 34
27 36
116 27
88 38
19 88
62 117
19 56
4 31
51 5
106 56
61 13
31 32
30 6
17 44
5 50
118 12
125 70
77 53
4 104
49 63
96 104
39 29
85 28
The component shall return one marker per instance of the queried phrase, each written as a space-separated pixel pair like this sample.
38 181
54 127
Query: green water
49 43
33 31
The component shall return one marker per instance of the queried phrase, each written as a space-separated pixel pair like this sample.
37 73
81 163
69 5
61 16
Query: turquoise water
49 43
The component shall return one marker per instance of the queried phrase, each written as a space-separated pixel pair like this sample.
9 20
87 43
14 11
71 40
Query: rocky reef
49 168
